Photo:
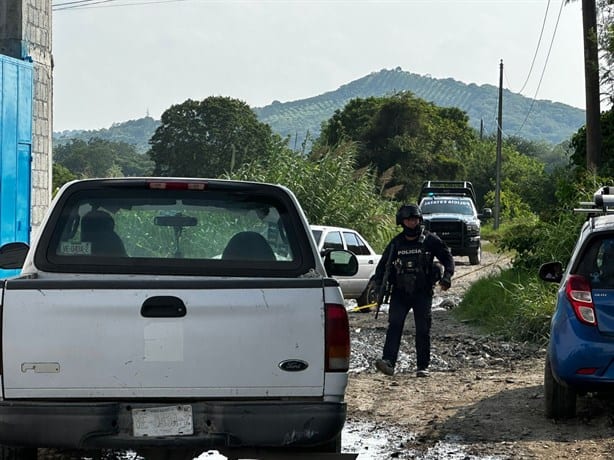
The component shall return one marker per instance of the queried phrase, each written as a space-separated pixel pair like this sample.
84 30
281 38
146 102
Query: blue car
580 356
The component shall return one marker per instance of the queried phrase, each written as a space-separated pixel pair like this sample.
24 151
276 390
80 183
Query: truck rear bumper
216 424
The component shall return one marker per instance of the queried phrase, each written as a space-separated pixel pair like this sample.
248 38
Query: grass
514 305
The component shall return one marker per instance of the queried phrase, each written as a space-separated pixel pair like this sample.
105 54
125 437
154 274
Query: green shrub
330 190
514 305
535 242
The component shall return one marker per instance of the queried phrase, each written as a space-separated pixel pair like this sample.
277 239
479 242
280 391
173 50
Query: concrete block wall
25 33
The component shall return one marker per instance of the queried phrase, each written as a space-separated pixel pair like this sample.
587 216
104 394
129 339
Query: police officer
412 275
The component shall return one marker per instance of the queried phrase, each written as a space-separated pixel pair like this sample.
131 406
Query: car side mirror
12 255
339 262
551 272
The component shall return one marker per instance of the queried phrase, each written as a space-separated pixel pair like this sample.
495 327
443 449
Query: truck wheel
368 296
560 400
476 257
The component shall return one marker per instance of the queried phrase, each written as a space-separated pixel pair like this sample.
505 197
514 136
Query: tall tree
598 39
578 142
591 76
61 175
100 158
208 138
606 42
424 141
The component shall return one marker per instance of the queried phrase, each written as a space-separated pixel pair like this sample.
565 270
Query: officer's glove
445 282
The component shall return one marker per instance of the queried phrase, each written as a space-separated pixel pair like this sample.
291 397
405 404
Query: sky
120 60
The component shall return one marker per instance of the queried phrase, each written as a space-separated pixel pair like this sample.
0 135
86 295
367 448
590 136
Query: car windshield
447 206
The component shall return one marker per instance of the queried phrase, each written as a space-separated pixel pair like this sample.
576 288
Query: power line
78 4
71 3
544 69
92 4
541 33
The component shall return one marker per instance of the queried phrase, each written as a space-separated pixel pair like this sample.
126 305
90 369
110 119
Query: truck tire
559 400
368 296
476 257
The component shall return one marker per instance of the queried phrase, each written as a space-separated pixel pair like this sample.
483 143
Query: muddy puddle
377 442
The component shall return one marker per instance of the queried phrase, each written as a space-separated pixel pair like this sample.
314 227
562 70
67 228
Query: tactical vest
413 267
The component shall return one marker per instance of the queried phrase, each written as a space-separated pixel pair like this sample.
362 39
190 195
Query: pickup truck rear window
132 230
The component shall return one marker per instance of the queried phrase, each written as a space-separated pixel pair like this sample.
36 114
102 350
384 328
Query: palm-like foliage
329 189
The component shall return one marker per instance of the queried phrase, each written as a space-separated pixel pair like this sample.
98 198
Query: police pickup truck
449 209
171 317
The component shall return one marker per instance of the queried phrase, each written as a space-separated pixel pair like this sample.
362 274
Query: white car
357 286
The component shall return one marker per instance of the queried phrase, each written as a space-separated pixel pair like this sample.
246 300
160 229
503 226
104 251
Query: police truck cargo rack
603 202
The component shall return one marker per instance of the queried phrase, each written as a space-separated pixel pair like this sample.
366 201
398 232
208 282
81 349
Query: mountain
136 132
536 120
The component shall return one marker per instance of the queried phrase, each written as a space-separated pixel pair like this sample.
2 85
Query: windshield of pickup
447 206
174 231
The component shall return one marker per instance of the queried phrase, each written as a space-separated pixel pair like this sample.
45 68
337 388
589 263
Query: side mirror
339 262
12 255
486 213
551 272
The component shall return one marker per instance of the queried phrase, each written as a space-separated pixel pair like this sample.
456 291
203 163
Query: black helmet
408 210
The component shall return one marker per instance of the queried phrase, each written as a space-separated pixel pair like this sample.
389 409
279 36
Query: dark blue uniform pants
400 304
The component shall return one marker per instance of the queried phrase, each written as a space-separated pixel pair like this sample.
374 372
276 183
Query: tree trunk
591 82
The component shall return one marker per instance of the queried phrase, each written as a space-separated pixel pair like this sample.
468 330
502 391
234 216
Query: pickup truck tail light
578 291
337 328
173 185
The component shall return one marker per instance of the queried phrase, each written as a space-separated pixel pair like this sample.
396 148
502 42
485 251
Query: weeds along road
484 398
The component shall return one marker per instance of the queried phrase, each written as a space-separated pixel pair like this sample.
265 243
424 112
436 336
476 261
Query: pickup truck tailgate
109 339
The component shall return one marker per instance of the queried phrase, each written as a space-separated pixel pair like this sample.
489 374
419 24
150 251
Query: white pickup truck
173 316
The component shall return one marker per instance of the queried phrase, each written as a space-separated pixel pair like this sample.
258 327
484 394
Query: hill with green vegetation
536 120
523 117
135 132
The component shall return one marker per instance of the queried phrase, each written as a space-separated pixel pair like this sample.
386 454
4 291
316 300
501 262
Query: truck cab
449 210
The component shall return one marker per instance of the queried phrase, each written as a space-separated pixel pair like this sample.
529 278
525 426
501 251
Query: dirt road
484 398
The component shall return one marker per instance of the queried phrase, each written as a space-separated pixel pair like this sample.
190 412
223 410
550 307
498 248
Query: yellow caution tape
364 307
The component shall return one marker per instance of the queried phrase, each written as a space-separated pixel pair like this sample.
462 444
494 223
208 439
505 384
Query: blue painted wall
16 85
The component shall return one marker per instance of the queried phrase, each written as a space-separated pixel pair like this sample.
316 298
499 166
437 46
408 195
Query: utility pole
498 164
591 85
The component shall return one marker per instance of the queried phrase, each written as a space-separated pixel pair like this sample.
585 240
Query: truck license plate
163 421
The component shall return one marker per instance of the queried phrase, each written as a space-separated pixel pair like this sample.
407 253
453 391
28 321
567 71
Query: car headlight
472 227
